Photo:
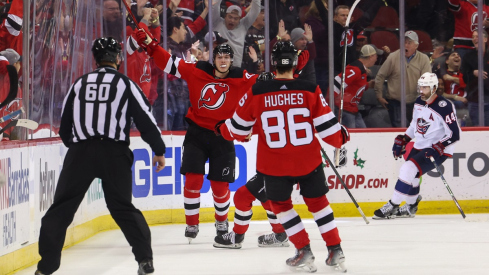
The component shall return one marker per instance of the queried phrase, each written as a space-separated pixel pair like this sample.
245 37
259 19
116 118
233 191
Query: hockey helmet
106 49
222 49
428 80
284 55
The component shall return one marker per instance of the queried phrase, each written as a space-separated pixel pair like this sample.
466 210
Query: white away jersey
433 123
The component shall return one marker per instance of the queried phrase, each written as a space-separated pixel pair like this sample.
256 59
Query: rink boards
32 169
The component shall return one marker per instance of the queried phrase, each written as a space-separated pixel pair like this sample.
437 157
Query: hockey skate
229 240
336 258
388 211
191 232
40 273
221 227
303 259
146 267
408 210
273 240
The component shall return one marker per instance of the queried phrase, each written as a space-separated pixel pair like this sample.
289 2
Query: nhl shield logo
213 95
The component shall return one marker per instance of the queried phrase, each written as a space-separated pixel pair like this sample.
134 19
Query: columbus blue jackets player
435 130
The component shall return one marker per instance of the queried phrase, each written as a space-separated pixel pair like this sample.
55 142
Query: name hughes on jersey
284 99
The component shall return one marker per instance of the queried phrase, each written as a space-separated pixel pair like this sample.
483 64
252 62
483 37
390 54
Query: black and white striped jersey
101 104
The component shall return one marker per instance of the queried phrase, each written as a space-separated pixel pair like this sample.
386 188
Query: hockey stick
26 123
14 86
11 115
128 9
448 187
344 185
342 89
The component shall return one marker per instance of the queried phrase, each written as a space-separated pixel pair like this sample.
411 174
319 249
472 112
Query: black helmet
222 49
106 49
284 55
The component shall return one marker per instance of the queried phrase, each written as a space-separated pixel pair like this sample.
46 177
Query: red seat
425 44
357 14
386 18
385 38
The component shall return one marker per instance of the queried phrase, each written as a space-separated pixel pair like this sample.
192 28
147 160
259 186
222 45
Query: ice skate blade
284 244
384 218
341 267
190 240
308 267
231 246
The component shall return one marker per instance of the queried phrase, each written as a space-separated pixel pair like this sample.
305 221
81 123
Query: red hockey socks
191 197
323 215
221 195
291 222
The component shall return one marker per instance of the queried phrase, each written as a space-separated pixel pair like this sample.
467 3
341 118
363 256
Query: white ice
426 244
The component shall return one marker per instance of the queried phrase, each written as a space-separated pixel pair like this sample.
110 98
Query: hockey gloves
146 41
217 127
399 147
345 134
435 151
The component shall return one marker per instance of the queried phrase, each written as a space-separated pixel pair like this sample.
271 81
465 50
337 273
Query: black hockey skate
146 267
40 273
336 258
221 227
229 240
303 259
388 211
408 210
191 232
273 240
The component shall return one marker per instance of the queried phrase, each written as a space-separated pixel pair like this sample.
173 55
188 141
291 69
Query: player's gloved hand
399 147
265 76
435 151
217 127
146 41
302 60
345 134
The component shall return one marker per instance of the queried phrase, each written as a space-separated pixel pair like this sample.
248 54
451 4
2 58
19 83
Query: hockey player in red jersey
436 130
286 113
214 91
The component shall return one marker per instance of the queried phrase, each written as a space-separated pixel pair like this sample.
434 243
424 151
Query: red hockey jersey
211 99
465 22
11 28
286 114
454 88
355 85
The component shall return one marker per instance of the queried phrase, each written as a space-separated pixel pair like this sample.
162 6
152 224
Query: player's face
424 92
223 62
410 46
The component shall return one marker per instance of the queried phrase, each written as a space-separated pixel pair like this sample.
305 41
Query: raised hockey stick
344 186
26 123
128 9
11 115
342 89
448 187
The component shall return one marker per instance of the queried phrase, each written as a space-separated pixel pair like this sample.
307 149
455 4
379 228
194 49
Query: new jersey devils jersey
433 123
465 22
211 99
454 88
355 85
285 114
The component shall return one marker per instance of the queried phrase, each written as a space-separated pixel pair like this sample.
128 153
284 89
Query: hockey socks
323 215
191 197
243 201
221 195
291 222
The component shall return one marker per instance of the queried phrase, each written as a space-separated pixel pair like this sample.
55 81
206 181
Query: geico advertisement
371 171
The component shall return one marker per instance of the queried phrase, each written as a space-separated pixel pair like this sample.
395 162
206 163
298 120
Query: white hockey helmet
428 80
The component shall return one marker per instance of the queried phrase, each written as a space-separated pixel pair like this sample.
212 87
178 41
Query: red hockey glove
399 147
146 41
217 127
435 151
345 134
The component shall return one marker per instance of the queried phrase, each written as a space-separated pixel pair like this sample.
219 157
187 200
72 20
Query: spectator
340 17
320 33
217 39
302 40
417 63
355 84
471 74
454 84
112 20
362 40
233 27
286 10
255 38
465 12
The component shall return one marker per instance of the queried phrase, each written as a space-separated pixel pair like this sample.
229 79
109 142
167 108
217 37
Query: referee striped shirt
101 104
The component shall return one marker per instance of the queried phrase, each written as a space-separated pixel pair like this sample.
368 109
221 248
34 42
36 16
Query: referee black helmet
284 55
106 49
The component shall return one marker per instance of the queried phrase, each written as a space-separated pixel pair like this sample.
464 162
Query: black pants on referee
111 162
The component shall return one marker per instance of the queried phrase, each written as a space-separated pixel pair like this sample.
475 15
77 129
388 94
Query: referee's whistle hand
159 162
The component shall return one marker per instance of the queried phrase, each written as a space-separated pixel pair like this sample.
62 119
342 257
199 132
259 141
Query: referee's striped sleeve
66 125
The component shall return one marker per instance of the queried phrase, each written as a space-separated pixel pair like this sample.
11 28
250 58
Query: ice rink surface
427 244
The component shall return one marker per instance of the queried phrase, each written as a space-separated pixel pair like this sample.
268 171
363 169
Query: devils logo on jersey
422 126
358 96
213 95
349 38
474 20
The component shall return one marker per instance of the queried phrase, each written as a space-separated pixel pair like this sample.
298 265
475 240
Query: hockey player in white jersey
435 130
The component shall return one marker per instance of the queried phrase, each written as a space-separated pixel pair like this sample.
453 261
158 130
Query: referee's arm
66 126
144 120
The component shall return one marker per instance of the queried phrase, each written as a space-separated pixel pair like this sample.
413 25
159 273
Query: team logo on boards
213 95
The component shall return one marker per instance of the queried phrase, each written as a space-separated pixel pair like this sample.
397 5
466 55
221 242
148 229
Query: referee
95 123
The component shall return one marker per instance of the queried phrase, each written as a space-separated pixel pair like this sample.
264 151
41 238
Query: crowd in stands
441 36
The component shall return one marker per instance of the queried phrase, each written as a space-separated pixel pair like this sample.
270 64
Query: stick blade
27 123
